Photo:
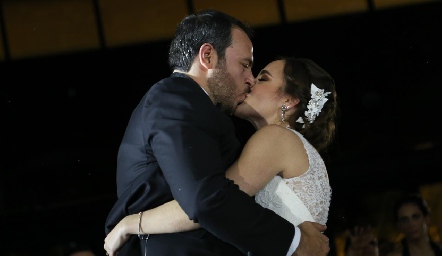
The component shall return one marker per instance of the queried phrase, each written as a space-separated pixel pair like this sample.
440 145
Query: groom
179 142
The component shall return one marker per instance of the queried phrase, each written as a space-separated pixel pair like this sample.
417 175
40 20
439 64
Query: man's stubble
222 88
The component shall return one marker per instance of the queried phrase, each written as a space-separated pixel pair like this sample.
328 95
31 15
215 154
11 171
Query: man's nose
251 83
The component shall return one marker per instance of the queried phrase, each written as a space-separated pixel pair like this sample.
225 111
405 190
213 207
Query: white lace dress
303 198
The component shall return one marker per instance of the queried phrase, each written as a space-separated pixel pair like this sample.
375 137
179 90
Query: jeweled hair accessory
315 104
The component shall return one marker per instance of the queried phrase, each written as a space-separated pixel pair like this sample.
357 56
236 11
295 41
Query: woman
412 217
293 107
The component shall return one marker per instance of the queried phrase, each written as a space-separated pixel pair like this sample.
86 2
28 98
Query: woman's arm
167 218
269 152
262 158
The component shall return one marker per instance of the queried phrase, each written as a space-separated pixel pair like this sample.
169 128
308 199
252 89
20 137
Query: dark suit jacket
178 145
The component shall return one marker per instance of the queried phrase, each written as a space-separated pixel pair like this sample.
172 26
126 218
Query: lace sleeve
278 197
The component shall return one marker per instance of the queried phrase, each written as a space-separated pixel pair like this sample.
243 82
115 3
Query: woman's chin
240 110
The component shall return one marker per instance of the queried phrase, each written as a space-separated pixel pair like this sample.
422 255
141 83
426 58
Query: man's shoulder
174 85
175 78
180 94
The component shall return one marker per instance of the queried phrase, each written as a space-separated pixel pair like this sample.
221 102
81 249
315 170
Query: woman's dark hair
411 198
207 26
299 74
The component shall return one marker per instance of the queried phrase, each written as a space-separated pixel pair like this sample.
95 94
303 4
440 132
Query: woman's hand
117 237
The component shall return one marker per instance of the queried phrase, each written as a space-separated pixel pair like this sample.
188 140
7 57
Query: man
179 142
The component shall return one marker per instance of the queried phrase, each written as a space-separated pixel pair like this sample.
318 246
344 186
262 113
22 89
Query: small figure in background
412 216
361 242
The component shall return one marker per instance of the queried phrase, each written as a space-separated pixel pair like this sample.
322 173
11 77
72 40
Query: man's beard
222 88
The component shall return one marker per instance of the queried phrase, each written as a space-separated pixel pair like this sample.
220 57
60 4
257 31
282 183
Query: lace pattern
312 192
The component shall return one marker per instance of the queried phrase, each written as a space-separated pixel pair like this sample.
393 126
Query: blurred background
71 72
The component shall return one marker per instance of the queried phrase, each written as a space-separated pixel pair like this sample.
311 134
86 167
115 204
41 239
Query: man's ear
207 56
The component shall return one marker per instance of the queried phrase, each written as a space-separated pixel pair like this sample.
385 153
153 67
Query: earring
283 109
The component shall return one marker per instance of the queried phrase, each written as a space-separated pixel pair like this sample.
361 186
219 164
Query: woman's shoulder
274 140
276 134
264 136
275 130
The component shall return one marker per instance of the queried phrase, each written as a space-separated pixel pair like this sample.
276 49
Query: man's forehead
242 48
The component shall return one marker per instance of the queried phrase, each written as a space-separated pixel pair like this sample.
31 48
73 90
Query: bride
293 108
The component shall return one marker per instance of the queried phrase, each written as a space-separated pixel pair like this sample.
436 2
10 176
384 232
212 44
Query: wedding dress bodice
303 198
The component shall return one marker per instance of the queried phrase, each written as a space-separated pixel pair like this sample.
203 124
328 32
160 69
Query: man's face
233 76
222 87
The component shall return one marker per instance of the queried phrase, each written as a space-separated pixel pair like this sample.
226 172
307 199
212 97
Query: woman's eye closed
262 78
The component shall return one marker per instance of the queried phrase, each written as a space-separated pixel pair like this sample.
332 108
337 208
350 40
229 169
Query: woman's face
412 222
263 103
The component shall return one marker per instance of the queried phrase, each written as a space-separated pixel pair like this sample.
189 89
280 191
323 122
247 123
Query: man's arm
262 159
257 169
191 141
171 218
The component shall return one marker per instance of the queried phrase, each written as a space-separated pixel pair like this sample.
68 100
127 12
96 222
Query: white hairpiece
315 104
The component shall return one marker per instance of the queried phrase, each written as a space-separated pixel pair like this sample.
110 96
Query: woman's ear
207 56
291 102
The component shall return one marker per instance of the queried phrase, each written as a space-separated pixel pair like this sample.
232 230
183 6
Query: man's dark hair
207 26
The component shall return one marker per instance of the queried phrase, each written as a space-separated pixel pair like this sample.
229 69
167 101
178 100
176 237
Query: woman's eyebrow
265 72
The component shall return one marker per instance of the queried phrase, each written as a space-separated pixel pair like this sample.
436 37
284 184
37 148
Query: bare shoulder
274 132
280 148
278 137
271 128
271 140
269 136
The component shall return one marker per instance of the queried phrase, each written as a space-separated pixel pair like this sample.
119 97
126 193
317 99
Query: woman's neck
419 243
258 124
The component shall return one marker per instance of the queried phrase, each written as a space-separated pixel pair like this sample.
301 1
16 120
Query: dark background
62 118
